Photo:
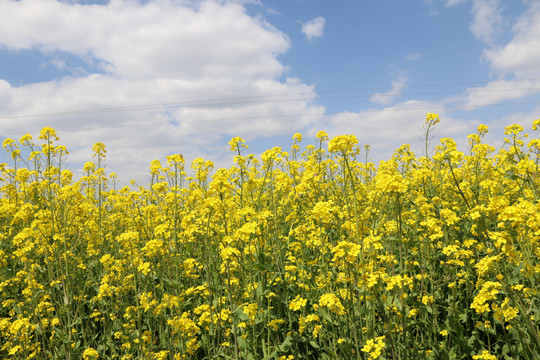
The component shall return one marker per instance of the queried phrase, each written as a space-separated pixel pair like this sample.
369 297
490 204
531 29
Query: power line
437 85
266 99
234 119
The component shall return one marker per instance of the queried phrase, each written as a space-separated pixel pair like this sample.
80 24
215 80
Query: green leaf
452 354
241 342
472 341
286 344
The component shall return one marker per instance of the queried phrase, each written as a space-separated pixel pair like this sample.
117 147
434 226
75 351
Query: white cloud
272 11
499 91
412 56
516 59
386 130
145 41
387 98
487 20
520 56
401 123
160 52
314 28
451 3
58 63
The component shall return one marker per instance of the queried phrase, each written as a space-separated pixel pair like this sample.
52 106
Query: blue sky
157 77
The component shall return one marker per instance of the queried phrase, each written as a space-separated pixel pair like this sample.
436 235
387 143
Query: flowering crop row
313 254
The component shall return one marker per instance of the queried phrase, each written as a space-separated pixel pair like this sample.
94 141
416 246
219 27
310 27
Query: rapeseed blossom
488 291
297 303
280 252
432 118
485 355
90 354
343 143
331 301
374 347
345 251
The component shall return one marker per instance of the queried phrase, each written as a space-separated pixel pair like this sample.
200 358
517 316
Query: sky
151 78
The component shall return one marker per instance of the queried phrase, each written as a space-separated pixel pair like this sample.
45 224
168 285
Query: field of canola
305 254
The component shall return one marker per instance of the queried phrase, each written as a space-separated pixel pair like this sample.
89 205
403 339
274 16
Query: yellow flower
25 138
175 159
316 330
331 301
89 167
144 268
432 119
398 281
535 124
251 310
488 292
48 133
374 347
321 135
274 324
513 129
184 325
8 143
342 143
90 354
485 355
162 355
427 299
237 143
482 129
345 251
15 350
99 149
192 346
298 303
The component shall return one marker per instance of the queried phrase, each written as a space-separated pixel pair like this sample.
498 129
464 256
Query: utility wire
436 85
234 119
227 101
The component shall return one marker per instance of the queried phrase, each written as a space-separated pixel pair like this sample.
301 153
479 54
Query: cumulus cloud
499 91
412 56
520 55
451 3
314 28
388 97
58 63
516 59
385 130
176 77
487 20
157 39
401 122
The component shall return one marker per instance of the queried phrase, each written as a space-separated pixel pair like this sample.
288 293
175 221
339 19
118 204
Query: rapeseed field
310 253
